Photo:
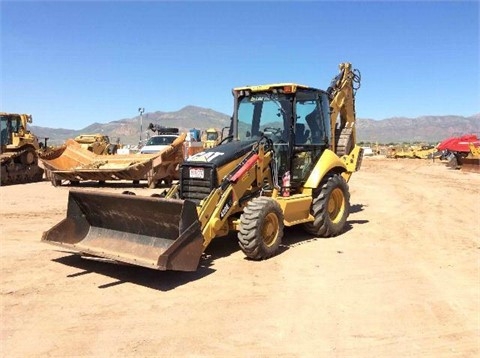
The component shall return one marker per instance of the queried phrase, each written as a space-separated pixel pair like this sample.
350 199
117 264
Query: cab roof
278 86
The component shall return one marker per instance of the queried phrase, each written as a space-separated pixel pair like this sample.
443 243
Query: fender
353 162
329 161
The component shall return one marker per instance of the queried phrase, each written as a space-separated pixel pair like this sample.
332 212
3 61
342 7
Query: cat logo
205 157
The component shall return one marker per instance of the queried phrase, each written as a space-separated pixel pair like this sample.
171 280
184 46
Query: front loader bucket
162 234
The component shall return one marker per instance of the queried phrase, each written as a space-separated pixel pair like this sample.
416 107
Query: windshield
161 140
212 136
8 124
264 112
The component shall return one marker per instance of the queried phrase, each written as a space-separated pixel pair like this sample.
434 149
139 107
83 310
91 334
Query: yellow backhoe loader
285 162
18 150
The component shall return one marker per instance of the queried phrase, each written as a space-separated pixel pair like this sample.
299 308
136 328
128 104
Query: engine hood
221 154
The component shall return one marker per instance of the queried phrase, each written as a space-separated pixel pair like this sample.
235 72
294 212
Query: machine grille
197 182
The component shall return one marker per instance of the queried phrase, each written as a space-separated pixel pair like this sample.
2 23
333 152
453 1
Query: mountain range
425 129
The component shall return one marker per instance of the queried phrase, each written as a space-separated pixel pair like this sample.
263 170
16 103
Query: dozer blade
470 165
162 234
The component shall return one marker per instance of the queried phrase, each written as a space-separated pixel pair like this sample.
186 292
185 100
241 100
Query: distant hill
128 130
429 129
422 129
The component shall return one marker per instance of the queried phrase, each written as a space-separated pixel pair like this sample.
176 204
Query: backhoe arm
342 103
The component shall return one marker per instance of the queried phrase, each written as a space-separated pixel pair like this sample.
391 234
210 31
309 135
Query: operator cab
9 124
295 117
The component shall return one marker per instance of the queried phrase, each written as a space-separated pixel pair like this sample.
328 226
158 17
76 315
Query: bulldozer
97 143
19 150
471 163
286 161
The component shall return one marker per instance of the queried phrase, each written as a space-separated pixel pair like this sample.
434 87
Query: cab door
311 133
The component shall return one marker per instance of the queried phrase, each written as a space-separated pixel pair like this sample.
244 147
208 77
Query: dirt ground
402 281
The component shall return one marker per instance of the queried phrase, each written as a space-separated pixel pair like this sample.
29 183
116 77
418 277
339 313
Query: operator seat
301 135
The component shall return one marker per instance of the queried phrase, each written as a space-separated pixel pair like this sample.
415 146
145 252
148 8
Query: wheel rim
270 229
336 205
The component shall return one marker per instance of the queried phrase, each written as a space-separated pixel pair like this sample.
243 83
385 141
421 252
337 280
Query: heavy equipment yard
402 281
386 264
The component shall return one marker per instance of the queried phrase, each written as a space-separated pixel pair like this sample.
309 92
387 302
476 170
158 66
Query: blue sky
74 63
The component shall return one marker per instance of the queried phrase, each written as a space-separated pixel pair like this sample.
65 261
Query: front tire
261 228
330 207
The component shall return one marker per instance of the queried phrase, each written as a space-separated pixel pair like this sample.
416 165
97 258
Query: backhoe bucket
163 234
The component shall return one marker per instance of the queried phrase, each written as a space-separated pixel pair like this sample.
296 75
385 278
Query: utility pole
141 110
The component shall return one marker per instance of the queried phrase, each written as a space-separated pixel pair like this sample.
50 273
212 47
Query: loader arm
234 191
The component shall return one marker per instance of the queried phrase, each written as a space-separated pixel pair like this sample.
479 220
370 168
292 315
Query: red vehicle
459 153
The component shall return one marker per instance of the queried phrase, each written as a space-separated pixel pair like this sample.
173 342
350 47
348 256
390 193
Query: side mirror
248 134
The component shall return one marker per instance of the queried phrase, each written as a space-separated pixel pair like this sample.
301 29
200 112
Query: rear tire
261 228
330 207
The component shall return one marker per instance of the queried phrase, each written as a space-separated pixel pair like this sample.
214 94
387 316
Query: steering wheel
275 131
275 134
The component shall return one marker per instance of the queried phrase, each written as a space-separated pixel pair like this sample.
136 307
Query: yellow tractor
210 138
97 143
471 161
414 152
19 150
286 161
